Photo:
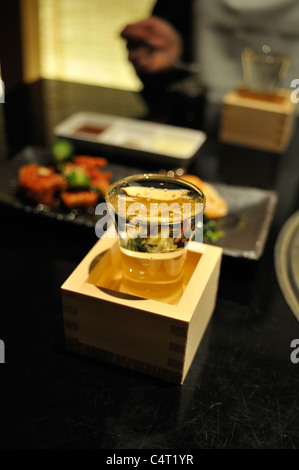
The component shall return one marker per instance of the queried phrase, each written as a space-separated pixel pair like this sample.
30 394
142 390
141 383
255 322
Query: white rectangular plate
127 136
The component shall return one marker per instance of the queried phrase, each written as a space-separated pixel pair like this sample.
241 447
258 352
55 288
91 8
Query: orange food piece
79 199
41 183
90 161
101 185
98 178
194 180
216 206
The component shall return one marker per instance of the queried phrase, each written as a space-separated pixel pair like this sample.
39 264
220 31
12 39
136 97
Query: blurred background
79 40
72 40
51 48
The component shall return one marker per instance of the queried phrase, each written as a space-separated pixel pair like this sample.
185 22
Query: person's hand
153 44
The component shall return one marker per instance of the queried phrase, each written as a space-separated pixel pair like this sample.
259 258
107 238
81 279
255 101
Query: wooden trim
30 40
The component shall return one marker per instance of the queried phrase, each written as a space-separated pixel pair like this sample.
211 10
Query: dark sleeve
179 14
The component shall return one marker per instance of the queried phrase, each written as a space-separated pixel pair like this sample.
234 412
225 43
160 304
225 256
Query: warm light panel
80 42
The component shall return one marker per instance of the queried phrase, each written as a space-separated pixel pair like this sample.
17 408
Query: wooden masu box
151 337
258 121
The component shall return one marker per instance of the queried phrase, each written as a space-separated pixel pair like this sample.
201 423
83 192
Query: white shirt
225 27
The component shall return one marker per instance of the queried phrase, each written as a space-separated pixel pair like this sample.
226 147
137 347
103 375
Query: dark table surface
242 389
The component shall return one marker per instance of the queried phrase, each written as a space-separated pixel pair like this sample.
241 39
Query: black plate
245 228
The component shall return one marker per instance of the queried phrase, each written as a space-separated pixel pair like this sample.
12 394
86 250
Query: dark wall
11 44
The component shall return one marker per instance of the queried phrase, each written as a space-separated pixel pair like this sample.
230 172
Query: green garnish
164 245
210 232
62 150
151 245
78 179
137 244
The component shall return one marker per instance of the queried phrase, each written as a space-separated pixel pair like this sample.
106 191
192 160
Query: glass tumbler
155 218
264 69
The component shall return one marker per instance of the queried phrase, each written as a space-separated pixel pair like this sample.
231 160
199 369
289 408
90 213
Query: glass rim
259 52
156 176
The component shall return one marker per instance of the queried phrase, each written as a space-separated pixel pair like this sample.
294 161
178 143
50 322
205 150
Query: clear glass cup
264 69
155 218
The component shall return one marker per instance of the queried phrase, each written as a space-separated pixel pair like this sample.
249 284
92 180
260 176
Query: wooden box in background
156 338
258 121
